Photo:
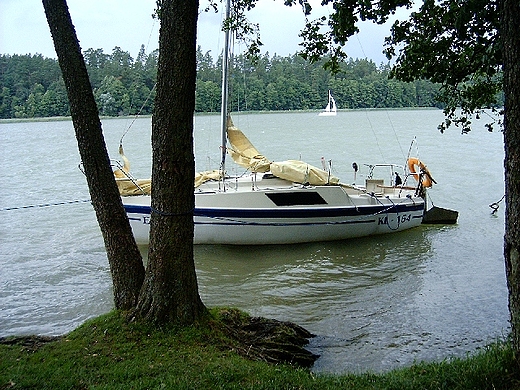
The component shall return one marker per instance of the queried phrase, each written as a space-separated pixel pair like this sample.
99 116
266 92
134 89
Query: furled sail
126 184
129 187
202 177
246 155
243 152
301 172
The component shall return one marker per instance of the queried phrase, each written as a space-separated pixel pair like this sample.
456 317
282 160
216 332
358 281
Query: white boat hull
293 214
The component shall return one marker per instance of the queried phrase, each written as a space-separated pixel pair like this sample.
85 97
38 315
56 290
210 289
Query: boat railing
407 182
126 176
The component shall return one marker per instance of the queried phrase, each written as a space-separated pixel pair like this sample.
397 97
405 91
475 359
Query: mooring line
45 205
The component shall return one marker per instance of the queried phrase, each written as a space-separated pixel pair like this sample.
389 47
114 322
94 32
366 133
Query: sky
105 24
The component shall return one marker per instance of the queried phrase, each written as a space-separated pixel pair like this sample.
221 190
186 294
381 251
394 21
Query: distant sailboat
330 110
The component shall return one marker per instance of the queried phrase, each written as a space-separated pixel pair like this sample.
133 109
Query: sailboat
283 202
330 109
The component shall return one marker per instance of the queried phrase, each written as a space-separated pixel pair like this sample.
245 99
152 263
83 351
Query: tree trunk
170 291
510 26
125 261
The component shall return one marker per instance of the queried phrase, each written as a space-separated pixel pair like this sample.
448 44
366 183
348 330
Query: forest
31 85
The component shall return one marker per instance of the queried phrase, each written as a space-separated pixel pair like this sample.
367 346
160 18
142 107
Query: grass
110 353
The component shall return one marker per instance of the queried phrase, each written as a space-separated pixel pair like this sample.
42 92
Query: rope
45 205
495 205
388 220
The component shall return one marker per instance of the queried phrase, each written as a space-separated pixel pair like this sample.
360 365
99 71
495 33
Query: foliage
326 36
110 353
456 44
126 86
31 86
453 43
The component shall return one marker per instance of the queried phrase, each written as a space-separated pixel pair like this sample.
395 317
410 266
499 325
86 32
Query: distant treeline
31 85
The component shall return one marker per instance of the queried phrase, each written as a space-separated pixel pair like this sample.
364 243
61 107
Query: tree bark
125 261
510 26
170 291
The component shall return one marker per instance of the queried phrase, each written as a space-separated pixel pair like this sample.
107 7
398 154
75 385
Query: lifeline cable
45 205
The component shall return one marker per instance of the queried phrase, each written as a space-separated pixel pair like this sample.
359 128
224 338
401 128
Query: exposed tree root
268 340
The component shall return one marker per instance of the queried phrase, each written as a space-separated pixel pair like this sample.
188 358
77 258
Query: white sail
330 109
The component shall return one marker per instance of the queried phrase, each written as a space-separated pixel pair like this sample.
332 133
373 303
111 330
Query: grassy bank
109 353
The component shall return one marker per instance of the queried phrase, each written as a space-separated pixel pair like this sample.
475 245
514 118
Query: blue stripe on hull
326 212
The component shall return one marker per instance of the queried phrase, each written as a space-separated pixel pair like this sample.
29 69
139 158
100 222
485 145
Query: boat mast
225 88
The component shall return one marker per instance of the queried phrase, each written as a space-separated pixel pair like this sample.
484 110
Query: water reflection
357 296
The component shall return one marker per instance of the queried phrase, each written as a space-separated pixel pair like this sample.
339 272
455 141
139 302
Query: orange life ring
423 172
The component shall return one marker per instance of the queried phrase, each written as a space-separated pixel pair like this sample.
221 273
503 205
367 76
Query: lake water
375 303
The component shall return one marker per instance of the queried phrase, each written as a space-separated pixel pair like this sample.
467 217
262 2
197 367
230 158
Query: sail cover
202 177
301 172
243 152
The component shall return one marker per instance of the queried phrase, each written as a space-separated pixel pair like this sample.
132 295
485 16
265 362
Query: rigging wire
137 115
417 154
361 46
366 111
375 135
154 19
149 95
68 202
395 134
386 111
